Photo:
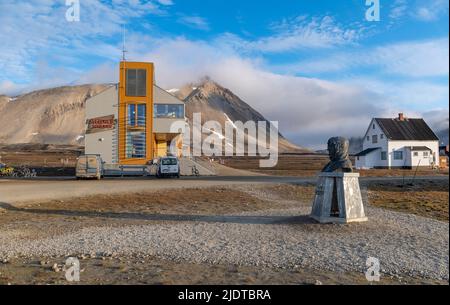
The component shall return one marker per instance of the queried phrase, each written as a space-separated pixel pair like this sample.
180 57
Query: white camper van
168 167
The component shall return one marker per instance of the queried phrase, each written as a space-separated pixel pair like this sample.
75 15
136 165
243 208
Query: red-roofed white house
398 143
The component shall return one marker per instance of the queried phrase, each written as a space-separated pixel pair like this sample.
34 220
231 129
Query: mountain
217 103
53 116
56 116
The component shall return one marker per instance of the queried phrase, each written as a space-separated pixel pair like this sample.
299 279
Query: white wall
404 146
420 160
361 163
105 142
382 142
374 158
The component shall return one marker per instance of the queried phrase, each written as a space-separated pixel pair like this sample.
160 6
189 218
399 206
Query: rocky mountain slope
53 116
216 103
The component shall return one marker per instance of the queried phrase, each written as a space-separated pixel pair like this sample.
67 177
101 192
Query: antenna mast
123 43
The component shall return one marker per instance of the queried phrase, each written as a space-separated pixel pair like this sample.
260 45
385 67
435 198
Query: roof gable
161 96
373 121
407 129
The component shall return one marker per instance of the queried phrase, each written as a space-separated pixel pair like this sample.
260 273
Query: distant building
443 156
398 143
129 123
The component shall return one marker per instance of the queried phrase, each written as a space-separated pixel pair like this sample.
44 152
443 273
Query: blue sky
318 67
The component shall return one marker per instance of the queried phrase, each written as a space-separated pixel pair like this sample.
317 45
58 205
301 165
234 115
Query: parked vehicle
89 167
6 170
168 167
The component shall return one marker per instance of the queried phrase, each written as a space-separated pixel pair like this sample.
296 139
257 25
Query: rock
318 283
55 267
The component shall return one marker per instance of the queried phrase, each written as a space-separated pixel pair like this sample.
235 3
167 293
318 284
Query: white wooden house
398 143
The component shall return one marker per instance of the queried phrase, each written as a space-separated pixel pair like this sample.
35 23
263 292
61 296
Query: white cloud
398 9
37 29
195 22
10 88
411 59
437 119
426 11
431 10
296 34
165 2
404 96
303 106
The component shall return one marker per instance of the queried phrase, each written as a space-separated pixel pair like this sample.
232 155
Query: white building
130 123
398 143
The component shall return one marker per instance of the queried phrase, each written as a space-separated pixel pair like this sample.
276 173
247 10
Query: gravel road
405 244
19 192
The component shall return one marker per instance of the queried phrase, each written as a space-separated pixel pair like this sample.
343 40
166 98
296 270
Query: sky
320 68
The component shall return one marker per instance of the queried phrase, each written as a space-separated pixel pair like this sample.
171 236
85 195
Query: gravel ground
406 245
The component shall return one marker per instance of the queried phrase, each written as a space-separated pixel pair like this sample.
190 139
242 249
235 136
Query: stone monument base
338 199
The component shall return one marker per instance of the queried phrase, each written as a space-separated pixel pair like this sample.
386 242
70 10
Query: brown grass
428 199
308 165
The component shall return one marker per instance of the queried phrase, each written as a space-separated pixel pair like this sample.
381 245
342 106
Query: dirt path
18 192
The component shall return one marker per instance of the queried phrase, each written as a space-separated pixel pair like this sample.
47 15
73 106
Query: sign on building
100 124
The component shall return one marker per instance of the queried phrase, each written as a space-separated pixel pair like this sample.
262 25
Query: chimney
401 117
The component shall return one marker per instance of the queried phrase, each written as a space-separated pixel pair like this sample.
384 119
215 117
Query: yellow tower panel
135 125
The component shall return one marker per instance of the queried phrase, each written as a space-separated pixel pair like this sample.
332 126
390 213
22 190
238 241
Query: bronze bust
338 152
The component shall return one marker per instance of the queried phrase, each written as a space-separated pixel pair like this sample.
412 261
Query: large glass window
375 139
136 82
169 111
135 133
135 148
398 155
383 155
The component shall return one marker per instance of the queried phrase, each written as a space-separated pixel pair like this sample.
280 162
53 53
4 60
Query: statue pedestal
338 199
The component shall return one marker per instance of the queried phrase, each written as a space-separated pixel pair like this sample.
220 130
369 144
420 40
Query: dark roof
420 148
366 151
407 129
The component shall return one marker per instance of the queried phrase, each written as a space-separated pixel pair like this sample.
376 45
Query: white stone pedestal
338 199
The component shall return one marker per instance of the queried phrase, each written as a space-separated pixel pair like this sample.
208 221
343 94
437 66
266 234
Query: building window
368 138
169 111
135 132
426 154
383 155
374 138
381 136
357 158
398 155
373 126
135 148
136 116
136 82
416 154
